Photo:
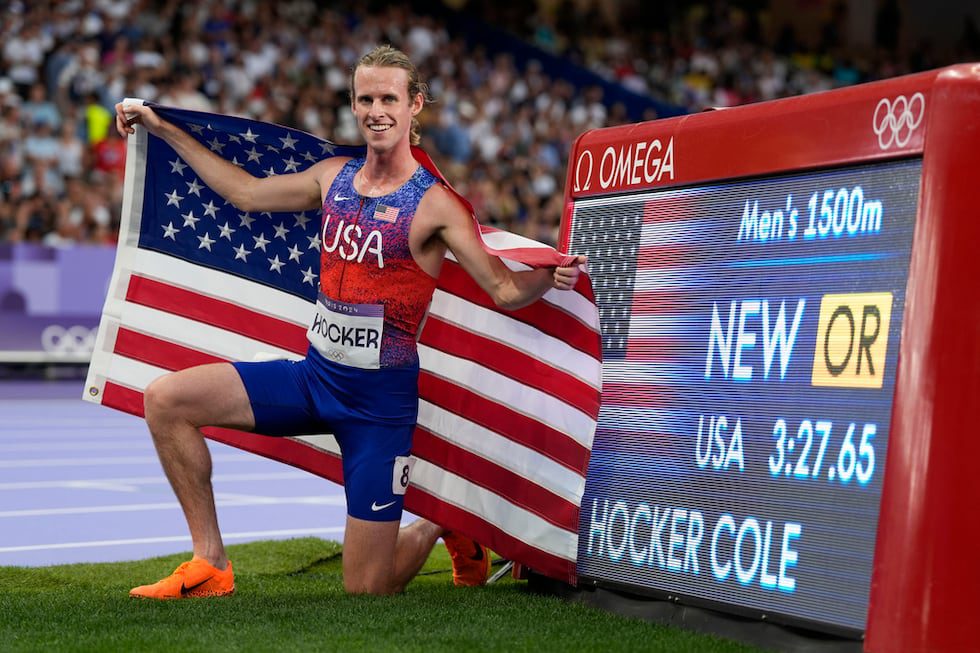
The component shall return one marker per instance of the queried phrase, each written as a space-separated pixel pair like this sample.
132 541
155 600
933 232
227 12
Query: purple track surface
82 483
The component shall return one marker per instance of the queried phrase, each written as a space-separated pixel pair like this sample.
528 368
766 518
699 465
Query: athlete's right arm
298 191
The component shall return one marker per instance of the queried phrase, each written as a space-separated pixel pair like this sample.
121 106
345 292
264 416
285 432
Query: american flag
386 213
508 399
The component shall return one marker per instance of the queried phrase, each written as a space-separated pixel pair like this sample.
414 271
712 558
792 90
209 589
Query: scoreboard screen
750 335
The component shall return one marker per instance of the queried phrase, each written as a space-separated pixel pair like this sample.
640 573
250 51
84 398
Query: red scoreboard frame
924 578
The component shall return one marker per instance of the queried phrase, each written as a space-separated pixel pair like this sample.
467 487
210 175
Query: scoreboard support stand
789 295
668 612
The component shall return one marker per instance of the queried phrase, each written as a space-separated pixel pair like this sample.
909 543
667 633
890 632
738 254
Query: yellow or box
852 340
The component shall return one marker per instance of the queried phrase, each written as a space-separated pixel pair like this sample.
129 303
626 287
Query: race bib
349 334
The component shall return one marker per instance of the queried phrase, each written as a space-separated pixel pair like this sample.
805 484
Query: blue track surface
82 483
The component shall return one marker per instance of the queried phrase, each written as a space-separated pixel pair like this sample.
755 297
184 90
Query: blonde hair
385 56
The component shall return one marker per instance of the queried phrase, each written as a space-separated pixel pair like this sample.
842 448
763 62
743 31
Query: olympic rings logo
74 340
895 121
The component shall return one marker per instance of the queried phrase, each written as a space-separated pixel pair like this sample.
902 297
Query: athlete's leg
176 406
381 558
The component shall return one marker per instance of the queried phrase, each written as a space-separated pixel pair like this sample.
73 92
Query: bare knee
159 399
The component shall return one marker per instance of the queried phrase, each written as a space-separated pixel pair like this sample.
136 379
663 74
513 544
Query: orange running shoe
194 578
471 560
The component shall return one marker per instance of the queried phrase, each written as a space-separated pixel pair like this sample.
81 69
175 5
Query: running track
82 483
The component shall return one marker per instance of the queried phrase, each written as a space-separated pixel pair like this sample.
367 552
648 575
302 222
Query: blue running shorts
372 413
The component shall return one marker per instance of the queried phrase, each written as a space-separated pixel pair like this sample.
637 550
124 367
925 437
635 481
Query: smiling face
382 106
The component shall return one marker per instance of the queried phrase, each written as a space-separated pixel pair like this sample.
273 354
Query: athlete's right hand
131 114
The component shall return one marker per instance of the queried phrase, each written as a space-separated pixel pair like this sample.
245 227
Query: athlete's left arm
509 289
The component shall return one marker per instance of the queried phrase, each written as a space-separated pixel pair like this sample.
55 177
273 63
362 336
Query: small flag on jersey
386 213
508 399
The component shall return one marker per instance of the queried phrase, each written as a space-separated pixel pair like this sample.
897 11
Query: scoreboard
776 378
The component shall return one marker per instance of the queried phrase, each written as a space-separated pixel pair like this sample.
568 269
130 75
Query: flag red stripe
122 398
160 353
434 509
216 312
498 418
510 362
499 480
541 315
292 452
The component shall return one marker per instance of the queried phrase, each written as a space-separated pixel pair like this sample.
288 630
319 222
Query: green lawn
289 597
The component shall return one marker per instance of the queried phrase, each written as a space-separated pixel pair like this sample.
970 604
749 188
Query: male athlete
363 388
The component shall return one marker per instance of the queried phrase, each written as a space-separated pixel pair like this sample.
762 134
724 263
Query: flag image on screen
508 399
750 346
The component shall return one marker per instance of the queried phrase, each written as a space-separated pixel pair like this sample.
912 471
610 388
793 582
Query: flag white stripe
506 453
546 409
672 278
645 373
323 442
509 518
572 303
132 373
215 283
200 335
505 240
520 336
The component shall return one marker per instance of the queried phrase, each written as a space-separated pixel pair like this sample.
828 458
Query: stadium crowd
499 133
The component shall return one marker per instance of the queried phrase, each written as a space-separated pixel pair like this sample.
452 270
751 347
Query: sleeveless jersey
373 295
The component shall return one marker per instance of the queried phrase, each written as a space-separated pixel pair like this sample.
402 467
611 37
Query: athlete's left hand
565 277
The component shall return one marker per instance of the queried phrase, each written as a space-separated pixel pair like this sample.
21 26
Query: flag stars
173 199
253 155
226 231
233 138
292 165
301 220
177 167
241 253
281 231
197 129
270 172
170 230
194 188
288 143
309 157
216 145
326 147
309 276
261 242
206 241
190 220
294 253
211 209
275 264
314 242
245 220
249 136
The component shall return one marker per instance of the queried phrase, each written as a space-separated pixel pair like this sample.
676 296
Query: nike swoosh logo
341 198
184 589
375 507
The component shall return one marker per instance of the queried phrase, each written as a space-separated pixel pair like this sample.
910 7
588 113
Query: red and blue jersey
365 260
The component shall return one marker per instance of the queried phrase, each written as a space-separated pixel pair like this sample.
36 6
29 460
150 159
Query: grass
289 596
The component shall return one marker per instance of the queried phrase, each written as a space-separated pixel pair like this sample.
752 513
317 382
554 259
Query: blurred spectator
501 133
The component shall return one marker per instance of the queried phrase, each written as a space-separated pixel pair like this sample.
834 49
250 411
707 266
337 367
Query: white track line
221 501
76 446
173 538
120 460
129 483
